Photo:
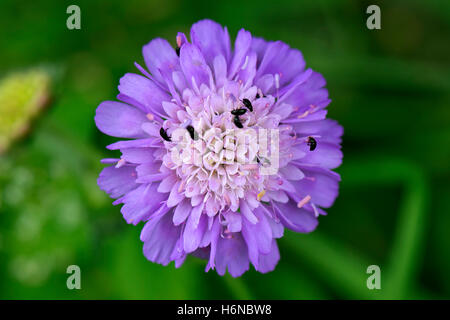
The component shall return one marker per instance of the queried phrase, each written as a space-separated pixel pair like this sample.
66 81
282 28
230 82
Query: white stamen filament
245 63
120 163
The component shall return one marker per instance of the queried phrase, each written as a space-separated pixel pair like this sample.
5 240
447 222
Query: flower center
215 150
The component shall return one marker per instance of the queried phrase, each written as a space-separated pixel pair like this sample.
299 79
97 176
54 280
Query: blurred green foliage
390 91
22 95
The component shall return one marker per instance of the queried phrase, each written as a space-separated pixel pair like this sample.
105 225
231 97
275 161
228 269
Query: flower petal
149 172
320 183
143 93
175 196
241 48
119 120
220 70
231 254
213 239
249 72
326 155
277 195
194 65
182 211
160 238
234 221
310 92
257 236
117 181
194 232
141 203
167 183
259 46
291 172
138 155
212 39
159 55
299 220
247 212
280 59
139 143
328 130
268 262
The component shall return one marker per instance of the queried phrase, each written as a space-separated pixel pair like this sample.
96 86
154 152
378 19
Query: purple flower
195 166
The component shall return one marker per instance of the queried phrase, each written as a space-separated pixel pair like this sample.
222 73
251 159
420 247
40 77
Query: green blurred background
390 91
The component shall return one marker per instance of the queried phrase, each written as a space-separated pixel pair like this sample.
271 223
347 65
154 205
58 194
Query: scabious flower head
226 147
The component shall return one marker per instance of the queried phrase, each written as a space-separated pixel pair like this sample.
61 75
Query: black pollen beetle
312 143
192 132
248 104
237 122
238 112
164 135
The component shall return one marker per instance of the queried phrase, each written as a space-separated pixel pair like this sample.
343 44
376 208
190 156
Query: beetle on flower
216 205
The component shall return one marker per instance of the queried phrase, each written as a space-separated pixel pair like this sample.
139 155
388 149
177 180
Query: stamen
316 212
307 112
304 201
277 81
120 163
245 63
304 114
181 187
260 195
150 116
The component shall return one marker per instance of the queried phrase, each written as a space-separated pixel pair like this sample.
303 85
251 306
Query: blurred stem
345 270
409 240
402 263
237 287
336 264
